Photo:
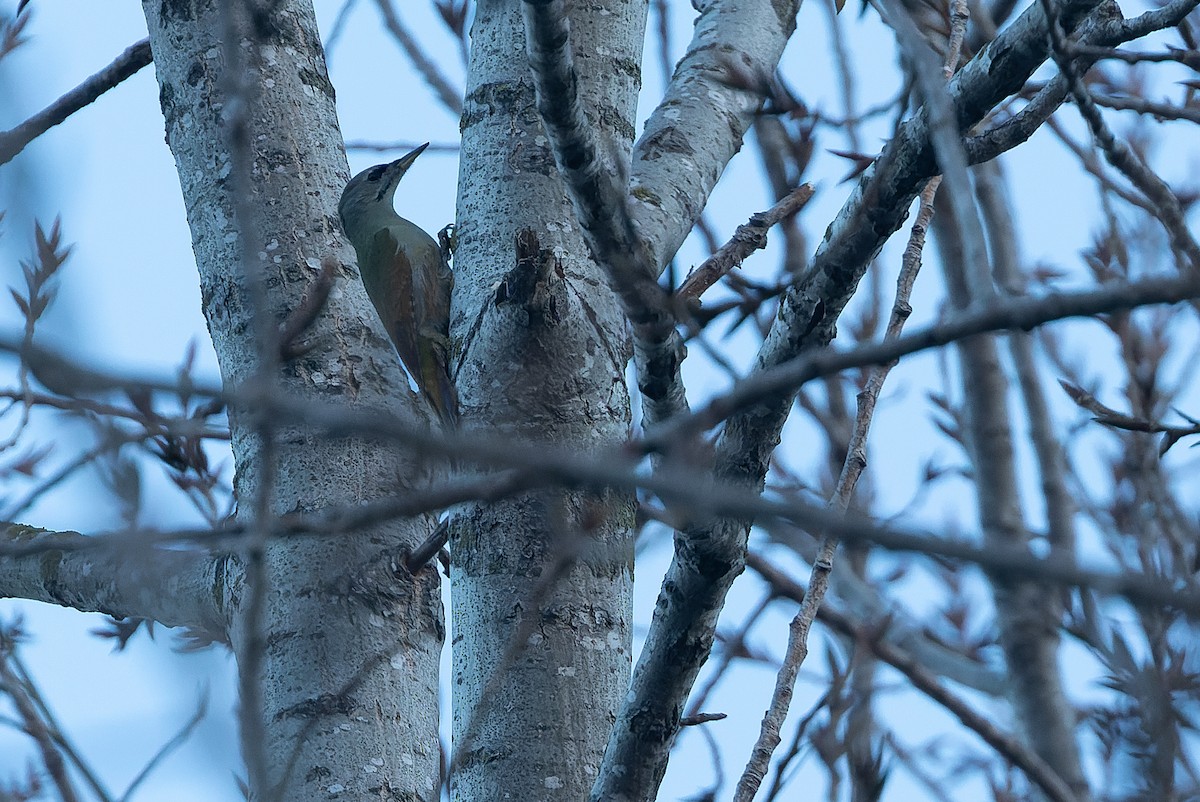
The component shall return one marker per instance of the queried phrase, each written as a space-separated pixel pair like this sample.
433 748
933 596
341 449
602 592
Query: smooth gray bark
124 580
348 643
540 583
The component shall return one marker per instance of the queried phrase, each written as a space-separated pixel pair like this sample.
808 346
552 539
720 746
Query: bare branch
450 97
855 463
117 576
1014 314
1106 30
749 237
1156 109
430 548
873 638
602 208
856 451
36 728
716 90
1132 423
1167 207
310 306
553 467
166 749
133 59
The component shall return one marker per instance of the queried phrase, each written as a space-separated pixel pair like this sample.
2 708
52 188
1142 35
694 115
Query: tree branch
603 212
37 729
1027 613
1017 314
748 238
118 576
450 97
711 101
853 466
133 59
874 639
1004 314
710 553
1167 208
1107 31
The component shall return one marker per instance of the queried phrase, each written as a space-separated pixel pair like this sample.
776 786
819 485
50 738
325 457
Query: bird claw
439 342
446 241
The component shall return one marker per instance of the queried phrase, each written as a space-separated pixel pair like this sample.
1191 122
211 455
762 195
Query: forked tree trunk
541 583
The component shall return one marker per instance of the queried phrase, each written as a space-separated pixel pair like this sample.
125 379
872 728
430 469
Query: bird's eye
376 172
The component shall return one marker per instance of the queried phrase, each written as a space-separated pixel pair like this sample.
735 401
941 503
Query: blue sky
129 299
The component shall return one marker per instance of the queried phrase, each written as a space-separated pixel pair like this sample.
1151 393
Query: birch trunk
348 645
541 583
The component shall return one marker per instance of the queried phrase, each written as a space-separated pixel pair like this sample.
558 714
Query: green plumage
406 277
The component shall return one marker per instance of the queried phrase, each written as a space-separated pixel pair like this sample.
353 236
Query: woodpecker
406 277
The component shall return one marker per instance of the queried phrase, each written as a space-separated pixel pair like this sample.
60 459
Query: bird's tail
444 398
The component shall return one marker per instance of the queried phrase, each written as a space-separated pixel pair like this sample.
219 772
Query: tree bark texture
541 583
347 641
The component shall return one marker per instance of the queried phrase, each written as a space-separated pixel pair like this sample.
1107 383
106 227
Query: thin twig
1189 58
35 727
1158 110
338 28
749 237
56 731
856 454
1168 210
1130 423
1015 314
401 146
306 312
133 59
1087 158
113 442
852 468
927 683
450 97
166 749
183 426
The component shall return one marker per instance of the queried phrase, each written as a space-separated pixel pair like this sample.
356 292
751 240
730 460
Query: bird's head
374 186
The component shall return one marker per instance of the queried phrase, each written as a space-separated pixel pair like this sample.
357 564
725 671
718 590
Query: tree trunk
347 644
541 583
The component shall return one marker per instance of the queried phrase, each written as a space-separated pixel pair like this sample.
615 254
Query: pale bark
541 583
711 102
712 99
171 587
349 644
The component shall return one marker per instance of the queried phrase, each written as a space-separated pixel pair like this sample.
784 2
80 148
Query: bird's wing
432 282
389 282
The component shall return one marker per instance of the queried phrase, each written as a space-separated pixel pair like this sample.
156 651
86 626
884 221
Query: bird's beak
402 164
396 170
